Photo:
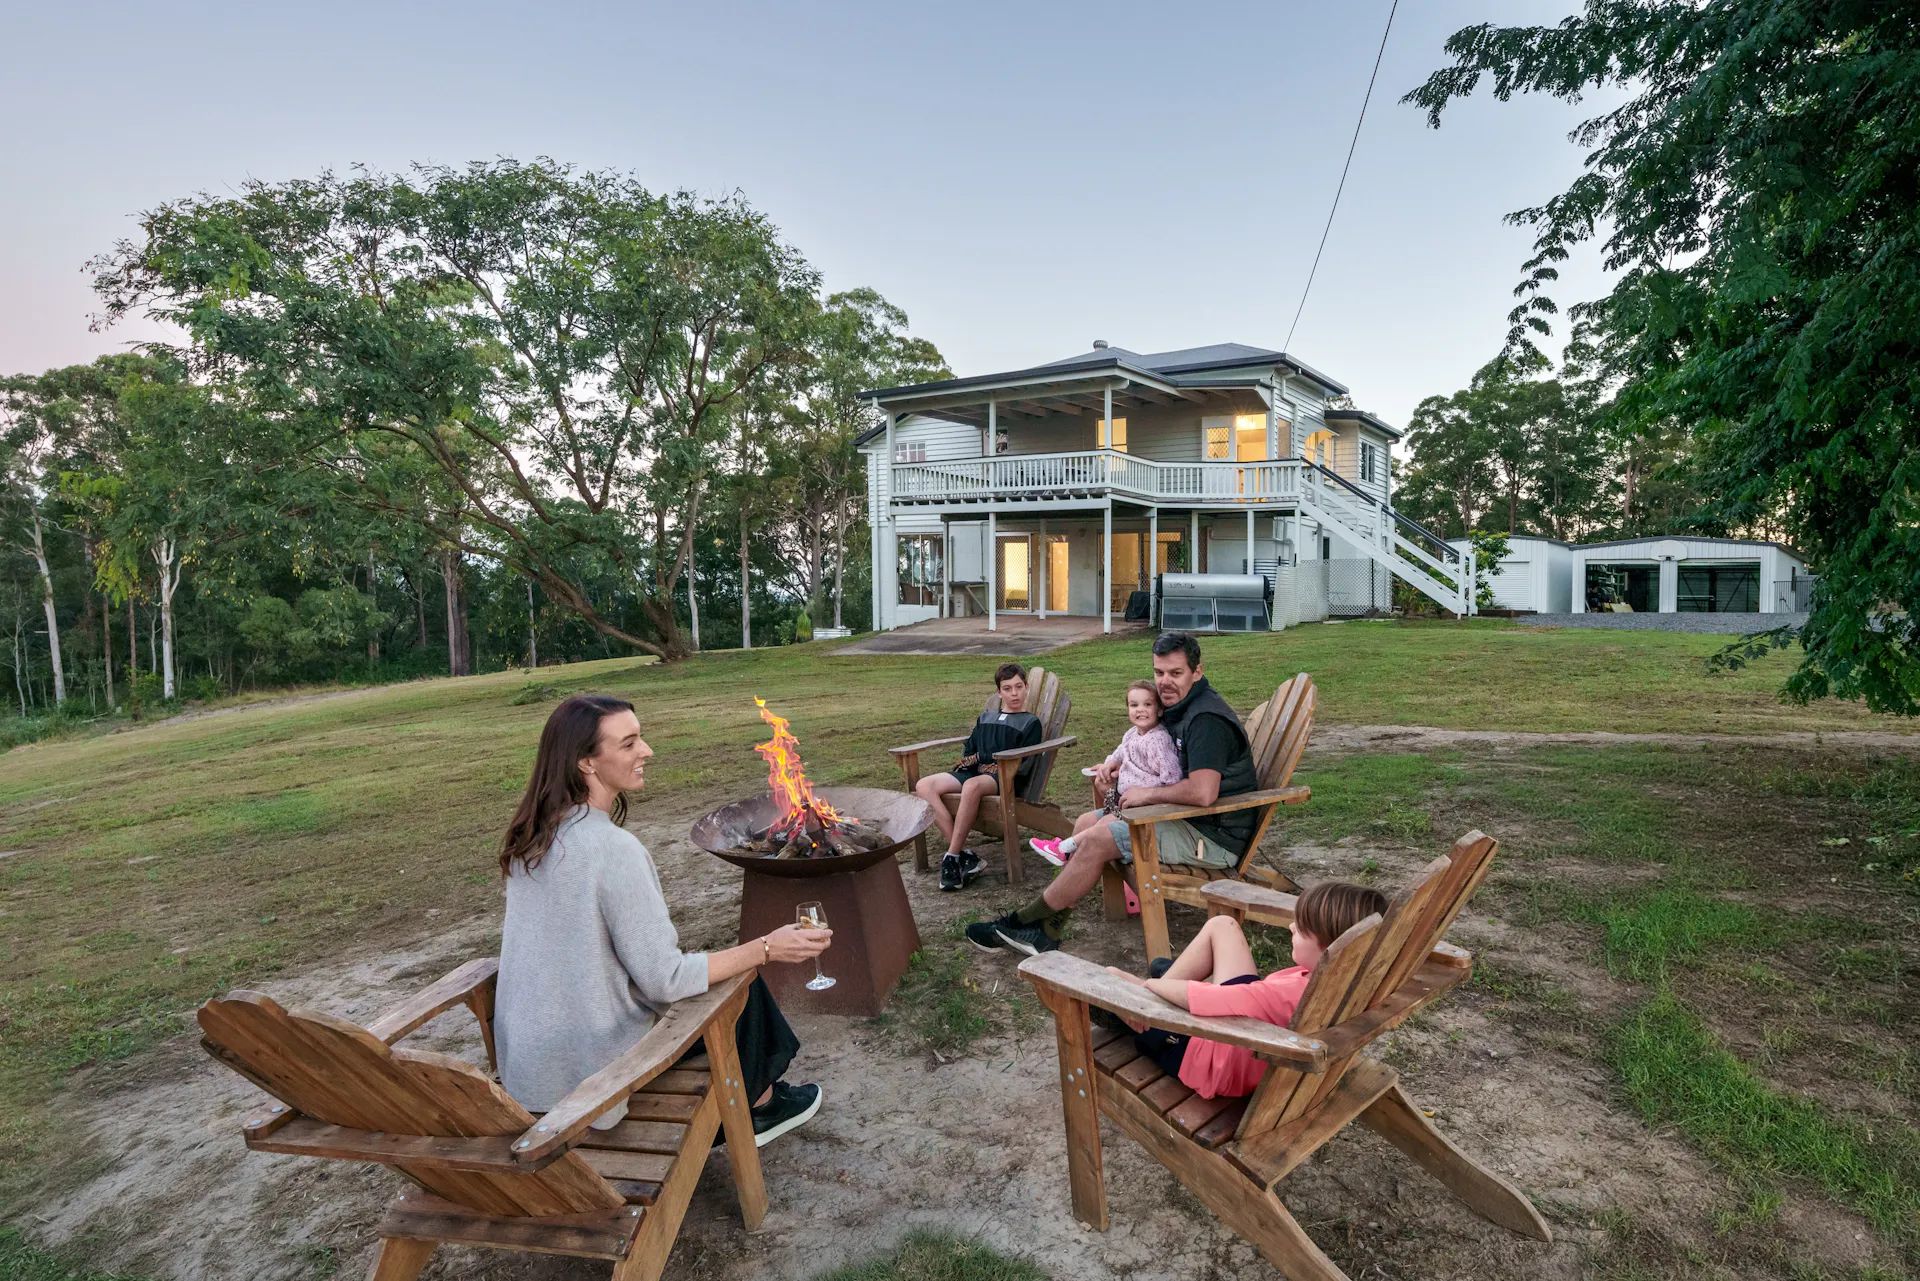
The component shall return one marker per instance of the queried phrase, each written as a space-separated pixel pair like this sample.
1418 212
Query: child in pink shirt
1146 757
1215 976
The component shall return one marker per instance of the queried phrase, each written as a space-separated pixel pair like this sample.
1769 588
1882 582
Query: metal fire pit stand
865 901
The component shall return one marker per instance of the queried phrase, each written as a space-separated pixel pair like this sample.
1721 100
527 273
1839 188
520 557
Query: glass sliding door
1058 576
1016 572
1129 563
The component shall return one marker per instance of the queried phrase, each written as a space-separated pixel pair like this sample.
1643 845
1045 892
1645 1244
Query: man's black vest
1229 830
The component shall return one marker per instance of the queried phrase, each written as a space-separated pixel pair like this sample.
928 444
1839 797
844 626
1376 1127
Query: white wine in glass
812 916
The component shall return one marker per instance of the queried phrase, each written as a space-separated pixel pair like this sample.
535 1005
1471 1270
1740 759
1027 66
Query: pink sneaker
1048 848
1133 900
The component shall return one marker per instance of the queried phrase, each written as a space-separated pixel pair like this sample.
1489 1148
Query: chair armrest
1433 980
1255 902
455 989
645 1059
1038 749
917 748
1244 801
1082 980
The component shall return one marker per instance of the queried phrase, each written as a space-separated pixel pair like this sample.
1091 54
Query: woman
589 957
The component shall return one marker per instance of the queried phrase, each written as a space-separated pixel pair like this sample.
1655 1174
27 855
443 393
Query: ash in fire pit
806 826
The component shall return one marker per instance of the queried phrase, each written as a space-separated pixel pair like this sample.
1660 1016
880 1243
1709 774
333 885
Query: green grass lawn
144 871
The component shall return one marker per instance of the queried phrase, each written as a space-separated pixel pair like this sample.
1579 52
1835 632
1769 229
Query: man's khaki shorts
1178 841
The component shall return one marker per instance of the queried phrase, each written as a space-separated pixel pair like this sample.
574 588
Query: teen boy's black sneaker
970 866
951 875
985 935
791 1107
1031 939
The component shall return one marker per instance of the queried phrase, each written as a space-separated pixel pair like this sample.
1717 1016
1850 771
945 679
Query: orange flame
787 778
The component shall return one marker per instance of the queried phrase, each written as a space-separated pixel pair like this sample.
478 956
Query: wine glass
812 916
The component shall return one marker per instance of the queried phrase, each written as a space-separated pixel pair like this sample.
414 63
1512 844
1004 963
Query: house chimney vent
1099 344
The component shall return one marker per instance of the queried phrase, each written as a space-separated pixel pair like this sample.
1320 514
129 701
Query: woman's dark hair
1330 908
571 735
1006 672
1183 642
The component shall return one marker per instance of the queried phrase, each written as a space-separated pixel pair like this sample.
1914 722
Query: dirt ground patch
973 1145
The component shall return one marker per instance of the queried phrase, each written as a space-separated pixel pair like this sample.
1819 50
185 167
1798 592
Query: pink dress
1211 1069
1146 760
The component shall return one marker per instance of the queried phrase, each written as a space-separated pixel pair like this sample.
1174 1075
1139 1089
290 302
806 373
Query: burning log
807 826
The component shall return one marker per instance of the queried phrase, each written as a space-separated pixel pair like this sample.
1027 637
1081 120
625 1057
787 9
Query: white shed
1689 576
1535 575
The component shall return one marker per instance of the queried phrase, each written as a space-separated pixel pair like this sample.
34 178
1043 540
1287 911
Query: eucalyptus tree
560 348
1755 198
858 341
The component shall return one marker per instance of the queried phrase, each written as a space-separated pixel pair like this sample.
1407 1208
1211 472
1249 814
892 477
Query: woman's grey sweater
588 960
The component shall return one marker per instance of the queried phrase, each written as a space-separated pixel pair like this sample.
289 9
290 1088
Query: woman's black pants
766 1044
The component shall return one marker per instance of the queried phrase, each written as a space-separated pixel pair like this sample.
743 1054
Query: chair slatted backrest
1468 864
341 1074
1318 1009
1047 701
1278 730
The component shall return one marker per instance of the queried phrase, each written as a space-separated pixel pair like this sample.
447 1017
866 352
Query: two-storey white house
1065 488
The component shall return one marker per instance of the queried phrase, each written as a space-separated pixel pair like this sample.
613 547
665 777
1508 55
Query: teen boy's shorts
1178 841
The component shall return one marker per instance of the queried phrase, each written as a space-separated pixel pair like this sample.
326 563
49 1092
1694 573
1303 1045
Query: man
975 777
1216 760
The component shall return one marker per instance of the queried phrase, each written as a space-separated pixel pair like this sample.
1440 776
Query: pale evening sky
1021 178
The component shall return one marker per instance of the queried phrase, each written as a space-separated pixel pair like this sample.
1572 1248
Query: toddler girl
1216 976
1146 757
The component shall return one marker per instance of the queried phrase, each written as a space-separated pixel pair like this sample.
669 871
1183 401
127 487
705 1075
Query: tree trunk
459 656
133 651
46 602
746 583
373 637
166 554
693 602
418 591
533 635
106 643
815 564
19 685
839 555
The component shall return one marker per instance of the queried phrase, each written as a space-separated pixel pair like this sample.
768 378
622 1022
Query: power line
1288 345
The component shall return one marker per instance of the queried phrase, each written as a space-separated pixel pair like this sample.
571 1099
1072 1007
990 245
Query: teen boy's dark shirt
1209 736
1003 732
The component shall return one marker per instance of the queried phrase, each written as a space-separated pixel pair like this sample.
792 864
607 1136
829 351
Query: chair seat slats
1168 1092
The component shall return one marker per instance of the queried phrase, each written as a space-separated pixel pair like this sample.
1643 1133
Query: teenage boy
975 777
1216 760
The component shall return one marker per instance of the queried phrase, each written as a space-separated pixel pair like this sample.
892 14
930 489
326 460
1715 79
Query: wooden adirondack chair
1231 1152
1277 731
1028 805
481 1169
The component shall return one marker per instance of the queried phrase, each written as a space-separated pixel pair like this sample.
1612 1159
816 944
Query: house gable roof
1188 367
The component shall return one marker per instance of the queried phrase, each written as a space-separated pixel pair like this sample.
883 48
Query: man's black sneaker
970 866
985 935
951 877
790 1107
1158 969
1031 939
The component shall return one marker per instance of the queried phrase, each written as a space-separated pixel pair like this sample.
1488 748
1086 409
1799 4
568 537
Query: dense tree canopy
1758 197
510 413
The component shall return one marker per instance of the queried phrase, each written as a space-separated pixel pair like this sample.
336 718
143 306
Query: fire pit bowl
866 903
900 816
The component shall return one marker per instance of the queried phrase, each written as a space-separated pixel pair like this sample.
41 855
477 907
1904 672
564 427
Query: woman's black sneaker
791 1107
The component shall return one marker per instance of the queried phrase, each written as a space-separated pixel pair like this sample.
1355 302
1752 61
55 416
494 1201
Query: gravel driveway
1728 624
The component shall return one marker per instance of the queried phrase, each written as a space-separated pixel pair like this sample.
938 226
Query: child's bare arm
1172 991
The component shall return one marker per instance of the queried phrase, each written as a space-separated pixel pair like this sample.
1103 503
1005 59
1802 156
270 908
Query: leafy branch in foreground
1751 648
1757 197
